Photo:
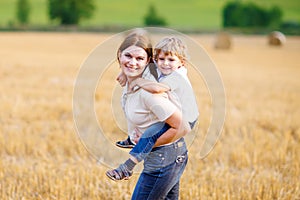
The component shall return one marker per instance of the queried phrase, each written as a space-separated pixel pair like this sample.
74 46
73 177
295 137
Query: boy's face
167 62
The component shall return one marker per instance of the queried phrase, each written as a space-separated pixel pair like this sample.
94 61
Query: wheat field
42 157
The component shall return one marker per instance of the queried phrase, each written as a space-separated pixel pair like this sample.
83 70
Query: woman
165 164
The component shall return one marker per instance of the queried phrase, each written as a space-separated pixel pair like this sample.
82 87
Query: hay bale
276 38
223 41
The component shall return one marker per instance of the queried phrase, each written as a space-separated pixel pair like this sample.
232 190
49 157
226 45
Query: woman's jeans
163 168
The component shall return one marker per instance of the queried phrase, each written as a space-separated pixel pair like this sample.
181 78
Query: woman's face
133 61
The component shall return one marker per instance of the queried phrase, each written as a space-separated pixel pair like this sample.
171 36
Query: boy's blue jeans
148 139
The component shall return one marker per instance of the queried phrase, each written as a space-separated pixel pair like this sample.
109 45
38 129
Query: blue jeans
148 139
163 168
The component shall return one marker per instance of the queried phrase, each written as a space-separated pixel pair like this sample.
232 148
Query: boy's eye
171 59
161 59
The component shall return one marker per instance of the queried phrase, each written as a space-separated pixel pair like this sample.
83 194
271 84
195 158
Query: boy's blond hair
171 45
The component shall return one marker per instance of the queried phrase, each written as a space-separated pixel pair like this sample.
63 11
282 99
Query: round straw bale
276 38
223 41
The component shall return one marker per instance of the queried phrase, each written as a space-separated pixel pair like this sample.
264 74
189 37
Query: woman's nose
132 61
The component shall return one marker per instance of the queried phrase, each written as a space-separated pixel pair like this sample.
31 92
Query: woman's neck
130 80
130 84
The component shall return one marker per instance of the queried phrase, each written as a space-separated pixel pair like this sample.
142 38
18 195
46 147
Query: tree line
234 14
237 14
71 12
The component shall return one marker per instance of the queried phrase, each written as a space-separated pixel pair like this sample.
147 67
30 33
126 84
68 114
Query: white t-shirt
182 92
142 109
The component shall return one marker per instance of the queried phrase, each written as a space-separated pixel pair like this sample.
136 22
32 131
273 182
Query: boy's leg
148 139
139 152
122 172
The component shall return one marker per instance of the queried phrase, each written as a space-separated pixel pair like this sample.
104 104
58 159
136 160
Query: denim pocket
154 161
182 158
166 155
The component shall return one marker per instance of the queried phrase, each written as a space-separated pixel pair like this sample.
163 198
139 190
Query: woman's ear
149 59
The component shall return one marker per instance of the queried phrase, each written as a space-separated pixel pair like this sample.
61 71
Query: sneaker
125 143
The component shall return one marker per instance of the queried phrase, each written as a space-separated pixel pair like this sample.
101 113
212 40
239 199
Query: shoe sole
114 179
125 146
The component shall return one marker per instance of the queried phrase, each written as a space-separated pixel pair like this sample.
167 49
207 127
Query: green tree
275 14
23 10
254 16
236 14
70 11
153 19
231 14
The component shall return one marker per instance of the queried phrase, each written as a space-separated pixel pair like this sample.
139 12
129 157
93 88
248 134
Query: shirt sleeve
160 105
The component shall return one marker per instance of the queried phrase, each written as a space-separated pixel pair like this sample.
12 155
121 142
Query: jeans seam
160 172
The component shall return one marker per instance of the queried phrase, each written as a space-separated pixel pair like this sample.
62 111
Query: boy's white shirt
186 103
182 71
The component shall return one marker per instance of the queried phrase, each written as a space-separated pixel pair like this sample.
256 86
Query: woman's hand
133 84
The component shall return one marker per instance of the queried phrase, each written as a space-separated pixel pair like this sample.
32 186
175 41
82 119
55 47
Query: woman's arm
179 128
167 112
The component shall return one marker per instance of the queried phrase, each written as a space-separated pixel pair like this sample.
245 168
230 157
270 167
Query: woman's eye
128 55
140 58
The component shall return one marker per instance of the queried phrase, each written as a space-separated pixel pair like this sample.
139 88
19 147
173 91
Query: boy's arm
122 79
150 86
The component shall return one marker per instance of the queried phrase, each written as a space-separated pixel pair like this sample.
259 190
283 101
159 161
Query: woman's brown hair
137 38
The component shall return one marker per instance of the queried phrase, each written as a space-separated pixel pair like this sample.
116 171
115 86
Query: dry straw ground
257 156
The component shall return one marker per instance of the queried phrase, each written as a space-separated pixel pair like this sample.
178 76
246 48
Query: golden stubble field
257 156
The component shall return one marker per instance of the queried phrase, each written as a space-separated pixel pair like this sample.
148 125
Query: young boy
170 56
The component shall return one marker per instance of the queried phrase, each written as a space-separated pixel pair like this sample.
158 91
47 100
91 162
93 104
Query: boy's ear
182 64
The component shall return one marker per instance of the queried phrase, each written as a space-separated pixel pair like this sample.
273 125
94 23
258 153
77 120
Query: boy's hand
134 83
122 79
137 135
